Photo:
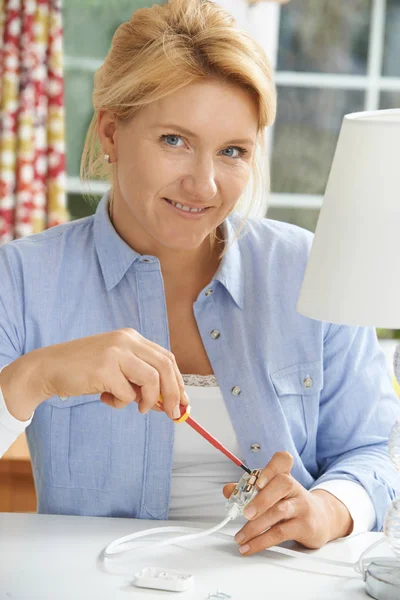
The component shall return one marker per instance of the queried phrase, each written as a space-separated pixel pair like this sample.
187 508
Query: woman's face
191 150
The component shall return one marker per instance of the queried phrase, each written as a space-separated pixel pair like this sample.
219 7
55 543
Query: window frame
373 83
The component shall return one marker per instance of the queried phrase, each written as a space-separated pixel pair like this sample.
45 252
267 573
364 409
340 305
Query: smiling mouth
187 208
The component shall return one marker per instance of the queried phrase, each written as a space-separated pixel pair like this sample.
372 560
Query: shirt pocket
298 388
80 442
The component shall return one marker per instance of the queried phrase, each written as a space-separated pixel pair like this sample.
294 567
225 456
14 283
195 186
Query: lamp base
383 579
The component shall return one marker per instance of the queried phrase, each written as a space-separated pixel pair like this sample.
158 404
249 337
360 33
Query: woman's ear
106 130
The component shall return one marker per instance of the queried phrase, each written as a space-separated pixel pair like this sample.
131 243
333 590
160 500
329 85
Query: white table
51 557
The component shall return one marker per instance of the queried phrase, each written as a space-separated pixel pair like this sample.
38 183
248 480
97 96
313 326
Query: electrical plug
242 495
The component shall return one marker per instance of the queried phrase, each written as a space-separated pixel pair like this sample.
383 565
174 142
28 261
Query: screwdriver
186 418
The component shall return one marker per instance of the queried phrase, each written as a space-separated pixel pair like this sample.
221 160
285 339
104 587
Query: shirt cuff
7 420
357 501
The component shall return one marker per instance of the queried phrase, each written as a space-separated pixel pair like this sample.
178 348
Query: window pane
389 100
305 137
303 217
391 63
90 24
78 112
80 206
329 36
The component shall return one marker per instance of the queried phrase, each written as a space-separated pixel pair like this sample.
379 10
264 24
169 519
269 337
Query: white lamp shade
353 273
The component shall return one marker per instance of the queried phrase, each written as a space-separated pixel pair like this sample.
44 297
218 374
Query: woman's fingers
111 400
281 462
281 532
281 486
228 489
284 510
122 392
140 373
154 373
170 389
164 378
184 400
115 402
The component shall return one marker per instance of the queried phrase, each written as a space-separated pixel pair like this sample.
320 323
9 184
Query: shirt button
255 447
215 334
63 398
209 292
236 390
308 382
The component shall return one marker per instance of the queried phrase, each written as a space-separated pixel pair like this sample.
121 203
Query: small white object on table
43 557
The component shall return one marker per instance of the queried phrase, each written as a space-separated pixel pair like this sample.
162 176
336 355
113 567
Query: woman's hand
122 366
284 510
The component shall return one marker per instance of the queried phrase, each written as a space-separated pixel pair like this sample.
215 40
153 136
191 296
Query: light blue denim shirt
320 391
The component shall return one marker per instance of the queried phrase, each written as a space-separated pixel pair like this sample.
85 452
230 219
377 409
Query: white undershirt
200 471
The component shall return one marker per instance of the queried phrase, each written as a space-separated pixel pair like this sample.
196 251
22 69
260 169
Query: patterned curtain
32 144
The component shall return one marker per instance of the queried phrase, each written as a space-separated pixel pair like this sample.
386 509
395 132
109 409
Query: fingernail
240 537
250 512
176 413
244 549
187 398
262 482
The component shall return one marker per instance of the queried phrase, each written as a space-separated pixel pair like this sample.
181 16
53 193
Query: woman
165 280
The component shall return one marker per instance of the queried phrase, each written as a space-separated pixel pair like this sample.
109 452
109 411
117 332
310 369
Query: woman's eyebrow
194 135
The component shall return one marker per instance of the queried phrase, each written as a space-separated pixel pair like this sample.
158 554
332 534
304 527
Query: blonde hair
166 47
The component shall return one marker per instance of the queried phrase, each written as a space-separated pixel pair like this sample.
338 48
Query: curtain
32 144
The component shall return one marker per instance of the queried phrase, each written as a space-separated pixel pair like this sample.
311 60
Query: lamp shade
353 273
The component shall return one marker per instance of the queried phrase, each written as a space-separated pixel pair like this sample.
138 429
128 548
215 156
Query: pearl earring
107 158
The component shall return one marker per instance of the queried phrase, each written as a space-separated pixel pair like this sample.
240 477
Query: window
88 29
333 58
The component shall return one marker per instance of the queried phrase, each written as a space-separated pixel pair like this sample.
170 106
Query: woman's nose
200 182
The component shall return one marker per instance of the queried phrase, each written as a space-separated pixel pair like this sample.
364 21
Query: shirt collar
230 272
116 257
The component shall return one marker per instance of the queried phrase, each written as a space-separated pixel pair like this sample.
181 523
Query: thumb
228 489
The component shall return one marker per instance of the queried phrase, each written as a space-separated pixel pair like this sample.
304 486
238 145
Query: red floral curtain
32 141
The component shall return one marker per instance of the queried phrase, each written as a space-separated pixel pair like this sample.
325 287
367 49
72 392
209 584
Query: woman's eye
170 137
241 151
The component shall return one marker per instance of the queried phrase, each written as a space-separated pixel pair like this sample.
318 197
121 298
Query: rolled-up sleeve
11 338
358 409
10 427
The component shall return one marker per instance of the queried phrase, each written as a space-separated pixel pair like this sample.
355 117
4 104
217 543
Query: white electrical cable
128 542
361 565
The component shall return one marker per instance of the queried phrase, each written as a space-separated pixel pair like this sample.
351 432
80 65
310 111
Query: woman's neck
191 270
